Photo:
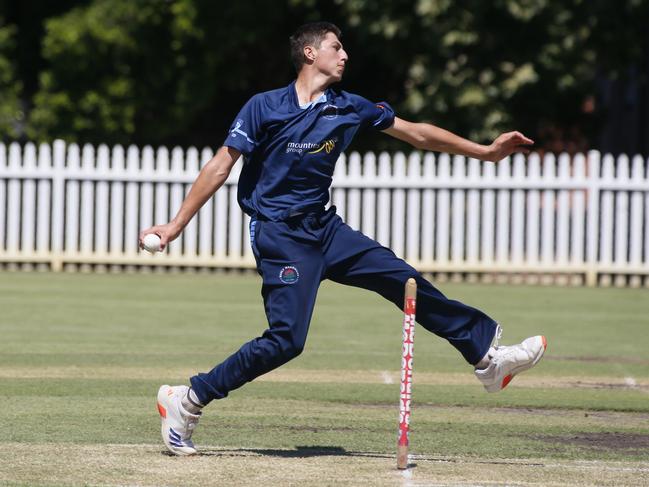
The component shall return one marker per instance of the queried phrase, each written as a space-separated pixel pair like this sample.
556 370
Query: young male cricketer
291 138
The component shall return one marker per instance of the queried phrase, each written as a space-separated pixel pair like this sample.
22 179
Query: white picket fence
584 216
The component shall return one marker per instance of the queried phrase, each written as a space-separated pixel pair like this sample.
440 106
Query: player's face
331 57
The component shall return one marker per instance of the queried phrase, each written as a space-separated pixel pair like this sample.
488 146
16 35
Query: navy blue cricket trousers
293 257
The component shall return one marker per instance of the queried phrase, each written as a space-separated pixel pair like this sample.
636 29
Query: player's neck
310 86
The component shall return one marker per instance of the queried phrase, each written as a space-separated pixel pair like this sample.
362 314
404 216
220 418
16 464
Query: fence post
457 210
413 210
518 210
369 195
622 217
28 205
503 216
58 195
442 239
635 244
563 212
592 237
398 226
354 194
13 199
384 201
428 212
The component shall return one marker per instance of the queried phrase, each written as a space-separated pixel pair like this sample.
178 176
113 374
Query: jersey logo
330 112
289 275
299 147
237 130
327 146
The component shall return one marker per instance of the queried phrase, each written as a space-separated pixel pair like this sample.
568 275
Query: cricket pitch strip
147 465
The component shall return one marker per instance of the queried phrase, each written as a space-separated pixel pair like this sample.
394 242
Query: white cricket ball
151 242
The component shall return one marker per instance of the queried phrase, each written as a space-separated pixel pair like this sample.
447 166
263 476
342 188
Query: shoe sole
163 405
522 368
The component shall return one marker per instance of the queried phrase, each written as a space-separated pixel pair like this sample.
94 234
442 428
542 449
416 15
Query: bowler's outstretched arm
429 137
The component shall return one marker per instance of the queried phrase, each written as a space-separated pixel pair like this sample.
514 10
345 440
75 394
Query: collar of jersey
296 103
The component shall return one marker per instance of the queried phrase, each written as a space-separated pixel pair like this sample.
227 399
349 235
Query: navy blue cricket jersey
290 152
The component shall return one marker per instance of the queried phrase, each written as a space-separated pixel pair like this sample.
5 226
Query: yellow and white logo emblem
327 146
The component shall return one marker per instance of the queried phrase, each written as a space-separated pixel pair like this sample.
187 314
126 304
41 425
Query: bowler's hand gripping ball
151 242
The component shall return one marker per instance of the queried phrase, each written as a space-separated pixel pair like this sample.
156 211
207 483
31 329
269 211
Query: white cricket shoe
177 423
507 361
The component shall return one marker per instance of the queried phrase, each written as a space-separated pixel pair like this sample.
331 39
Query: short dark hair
310 34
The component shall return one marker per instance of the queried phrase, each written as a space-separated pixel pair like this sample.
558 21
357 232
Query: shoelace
496 346
499 334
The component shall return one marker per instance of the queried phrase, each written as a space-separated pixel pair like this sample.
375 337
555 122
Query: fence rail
585 216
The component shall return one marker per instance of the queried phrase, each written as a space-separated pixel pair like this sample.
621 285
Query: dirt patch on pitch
595 359
625 418
580 384
630 443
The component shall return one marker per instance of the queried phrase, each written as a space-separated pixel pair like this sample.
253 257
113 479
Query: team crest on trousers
289 274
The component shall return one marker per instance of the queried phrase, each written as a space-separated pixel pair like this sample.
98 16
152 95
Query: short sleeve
244 132
378 115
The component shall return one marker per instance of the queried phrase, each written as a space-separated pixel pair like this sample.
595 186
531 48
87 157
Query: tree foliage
177 71
151 71
11 115
480 68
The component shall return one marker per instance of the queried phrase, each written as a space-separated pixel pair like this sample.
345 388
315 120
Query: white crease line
406 475
387 377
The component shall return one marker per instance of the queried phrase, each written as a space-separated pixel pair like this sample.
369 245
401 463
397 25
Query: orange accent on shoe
162 411
170 392
545 343
506 380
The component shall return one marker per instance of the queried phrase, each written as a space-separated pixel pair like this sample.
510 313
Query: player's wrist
176 225
486 152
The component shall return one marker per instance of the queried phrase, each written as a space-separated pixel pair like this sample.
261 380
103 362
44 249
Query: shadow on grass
305 452
302 452
297 452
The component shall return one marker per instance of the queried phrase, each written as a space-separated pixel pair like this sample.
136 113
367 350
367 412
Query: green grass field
82 357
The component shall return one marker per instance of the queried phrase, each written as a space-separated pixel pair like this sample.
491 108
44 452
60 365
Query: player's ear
309 54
